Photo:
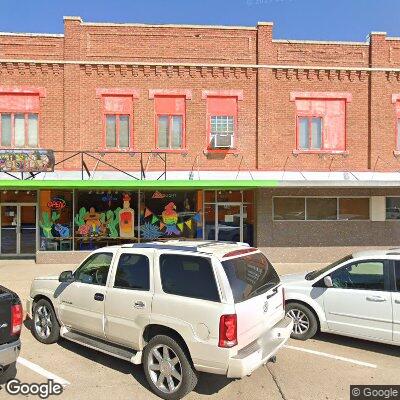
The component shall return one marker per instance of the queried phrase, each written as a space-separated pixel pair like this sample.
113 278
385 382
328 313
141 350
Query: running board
135 357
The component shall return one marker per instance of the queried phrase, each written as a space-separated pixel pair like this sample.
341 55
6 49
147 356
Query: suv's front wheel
168 369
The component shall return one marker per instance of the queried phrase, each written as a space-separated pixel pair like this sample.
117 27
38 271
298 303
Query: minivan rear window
250 276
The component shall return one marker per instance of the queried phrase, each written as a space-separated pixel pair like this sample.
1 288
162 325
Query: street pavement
321 368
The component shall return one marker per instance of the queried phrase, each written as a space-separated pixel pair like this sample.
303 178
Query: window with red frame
118 116
222 122
19 120
398 133
310 133
19 129
170 122
321 124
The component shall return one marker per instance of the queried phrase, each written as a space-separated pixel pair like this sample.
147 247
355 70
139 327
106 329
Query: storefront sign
16 160
56 204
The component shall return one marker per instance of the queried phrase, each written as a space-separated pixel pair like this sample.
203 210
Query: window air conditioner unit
222 141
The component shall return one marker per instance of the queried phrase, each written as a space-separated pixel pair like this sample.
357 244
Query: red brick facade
73 69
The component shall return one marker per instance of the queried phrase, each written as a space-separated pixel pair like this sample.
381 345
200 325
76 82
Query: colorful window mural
55 220
105 218
171 215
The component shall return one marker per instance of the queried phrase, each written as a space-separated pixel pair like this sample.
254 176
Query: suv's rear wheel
305 323
168 369
45 326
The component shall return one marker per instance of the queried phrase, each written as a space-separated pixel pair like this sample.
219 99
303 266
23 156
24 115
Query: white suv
177 307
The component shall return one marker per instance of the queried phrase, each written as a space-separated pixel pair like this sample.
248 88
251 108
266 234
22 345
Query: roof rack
159 246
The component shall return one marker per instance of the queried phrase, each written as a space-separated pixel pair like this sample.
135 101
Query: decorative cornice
219 69
31 67
312 74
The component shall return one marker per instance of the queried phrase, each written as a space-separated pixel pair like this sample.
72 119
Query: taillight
228 330
16 319
283 298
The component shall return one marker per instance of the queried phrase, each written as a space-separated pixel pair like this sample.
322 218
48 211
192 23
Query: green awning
135 184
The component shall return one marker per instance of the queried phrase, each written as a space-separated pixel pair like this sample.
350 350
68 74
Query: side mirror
66 276
328 281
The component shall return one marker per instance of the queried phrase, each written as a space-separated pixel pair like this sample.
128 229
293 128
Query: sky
293 19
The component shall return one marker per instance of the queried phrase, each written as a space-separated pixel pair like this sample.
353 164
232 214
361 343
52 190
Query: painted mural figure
170 218
93 225
126 219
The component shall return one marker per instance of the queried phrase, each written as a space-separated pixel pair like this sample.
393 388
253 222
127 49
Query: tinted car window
95 269
132 272
250 276
397 269
188 276
363 275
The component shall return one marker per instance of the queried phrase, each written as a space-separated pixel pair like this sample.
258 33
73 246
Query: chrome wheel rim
301 323
164 368
43 323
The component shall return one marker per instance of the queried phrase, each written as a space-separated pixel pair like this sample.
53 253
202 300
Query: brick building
121 132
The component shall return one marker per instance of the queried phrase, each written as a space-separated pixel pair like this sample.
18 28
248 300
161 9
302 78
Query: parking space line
41 371
327 355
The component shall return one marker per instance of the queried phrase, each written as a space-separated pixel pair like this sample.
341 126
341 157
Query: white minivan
358 296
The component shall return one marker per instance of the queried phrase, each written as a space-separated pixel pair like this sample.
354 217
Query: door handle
397 301
376 299
99 296
139 304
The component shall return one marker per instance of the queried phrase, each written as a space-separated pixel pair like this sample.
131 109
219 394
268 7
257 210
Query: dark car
10 330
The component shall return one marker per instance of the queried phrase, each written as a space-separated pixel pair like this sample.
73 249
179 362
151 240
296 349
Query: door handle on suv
397 301
99 296
139 304
376 299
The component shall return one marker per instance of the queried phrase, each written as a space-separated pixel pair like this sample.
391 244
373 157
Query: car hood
294 278
47 278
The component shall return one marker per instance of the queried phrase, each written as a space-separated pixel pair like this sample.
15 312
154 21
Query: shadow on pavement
208 384
375 347
9 373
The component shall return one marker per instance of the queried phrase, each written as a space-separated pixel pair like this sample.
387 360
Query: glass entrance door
18 229
9 229
27 229
229 222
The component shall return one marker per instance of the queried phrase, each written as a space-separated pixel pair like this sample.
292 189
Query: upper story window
222 131
310 132
118 131
222 122
170 122
396 101
19 119
320 121
19 129
118 121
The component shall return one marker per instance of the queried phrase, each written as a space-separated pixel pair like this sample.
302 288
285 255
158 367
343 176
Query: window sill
176 151
342 152
221 151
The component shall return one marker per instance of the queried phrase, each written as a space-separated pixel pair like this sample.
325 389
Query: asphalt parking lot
321 368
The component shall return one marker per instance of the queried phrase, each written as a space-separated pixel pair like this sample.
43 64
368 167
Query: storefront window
174 214
354 208
321 209
105 218
55 220
392 207
289 208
